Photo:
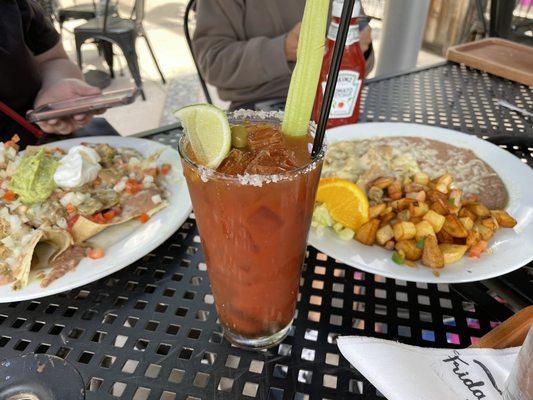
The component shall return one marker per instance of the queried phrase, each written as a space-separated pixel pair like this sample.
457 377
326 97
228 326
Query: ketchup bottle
347 98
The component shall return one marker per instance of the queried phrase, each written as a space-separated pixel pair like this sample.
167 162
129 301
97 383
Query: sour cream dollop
78 167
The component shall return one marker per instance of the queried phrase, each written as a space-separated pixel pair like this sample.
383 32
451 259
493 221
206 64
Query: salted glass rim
251 179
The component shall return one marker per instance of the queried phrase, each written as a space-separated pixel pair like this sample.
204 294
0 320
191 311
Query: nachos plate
146 220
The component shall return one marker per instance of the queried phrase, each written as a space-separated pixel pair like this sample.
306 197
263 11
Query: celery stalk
305 77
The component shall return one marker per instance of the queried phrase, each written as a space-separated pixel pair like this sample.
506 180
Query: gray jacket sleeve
227 59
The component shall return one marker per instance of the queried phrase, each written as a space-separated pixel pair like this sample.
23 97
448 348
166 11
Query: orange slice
346 202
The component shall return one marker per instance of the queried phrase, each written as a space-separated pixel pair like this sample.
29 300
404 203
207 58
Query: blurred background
446 23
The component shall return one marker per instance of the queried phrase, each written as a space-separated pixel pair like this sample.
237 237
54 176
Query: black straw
329 92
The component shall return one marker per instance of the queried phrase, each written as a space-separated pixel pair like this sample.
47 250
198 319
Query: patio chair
120 31
191 6
85 11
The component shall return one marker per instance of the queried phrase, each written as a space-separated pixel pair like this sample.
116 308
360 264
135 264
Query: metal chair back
191 7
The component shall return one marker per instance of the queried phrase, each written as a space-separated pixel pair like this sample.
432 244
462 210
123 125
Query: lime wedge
208 131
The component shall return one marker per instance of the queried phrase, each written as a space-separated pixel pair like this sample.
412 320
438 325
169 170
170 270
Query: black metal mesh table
150 331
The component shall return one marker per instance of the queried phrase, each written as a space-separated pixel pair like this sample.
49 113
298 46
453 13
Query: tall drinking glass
254 231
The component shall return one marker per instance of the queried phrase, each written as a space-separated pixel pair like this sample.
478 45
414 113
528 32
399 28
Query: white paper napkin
403 372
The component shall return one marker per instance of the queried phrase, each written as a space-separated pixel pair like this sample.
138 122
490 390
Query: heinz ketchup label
347 97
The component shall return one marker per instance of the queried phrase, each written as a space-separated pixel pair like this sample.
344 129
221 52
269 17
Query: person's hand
291 42
65 89
365 38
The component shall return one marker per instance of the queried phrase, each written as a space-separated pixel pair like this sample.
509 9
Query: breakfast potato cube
466 213
452 252
421 178
408 247
454 201
386 218
423 229
382 182
431 254
390 245
442 184
444 237
503 218
384 234
367 232
436 220
467 223
376 211
440 207
401 204
404 230
470 198
394 190
418 208
415 220
491 223
433 195
454 227
479 210
413 188
473 238
404 215
485 233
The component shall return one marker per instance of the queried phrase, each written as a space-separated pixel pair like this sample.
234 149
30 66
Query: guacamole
33 180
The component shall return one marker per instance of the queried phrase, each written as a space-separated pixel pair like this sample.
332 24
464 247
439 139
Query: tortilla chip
84 229
53 243
22 271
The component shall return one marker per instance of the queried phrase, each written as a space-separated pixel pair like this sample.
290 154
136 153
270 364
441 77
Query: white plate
511 248
136 243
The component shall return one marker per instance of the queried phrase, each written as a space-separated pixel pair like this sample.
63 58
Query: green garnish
420 244
239 136
398 258
305 77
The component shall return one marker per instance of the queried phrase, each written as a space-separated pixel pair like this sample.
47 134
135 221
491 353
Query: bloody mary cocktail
253 214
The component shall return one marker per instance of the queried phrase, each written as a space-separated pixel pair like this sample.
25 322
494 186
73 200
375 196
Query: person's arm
55 65
225 58
61 79
365 37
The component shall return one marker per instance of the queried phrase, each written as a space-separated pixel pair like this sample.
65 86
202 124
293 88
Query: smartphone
82 105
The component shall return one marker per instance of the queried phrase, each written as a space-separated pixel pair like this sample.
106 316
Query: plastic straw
333 73
9 112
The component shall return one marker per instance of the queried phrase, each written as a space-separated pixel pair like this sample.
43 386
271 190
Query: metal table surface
150 331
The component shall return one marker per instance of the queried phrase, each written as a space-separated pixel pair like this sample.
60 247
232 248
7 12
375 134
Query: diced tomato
132 186
109 215
95 253
151 172
70 208
144 218
12 143
117 210
9 196
165 169
72 220
98 218
478 248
